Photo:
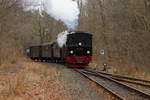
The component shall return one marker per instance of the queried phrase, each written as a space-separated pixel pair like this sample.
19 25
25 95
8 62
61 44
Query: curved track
119 90
131 80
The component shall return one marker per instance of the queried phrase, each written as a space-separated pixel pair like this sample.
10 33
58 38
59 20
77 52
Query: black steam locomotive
77 51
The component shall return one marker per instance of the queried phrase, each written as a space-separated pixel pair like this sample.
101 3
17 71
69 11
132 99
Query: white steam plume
66 11
62 38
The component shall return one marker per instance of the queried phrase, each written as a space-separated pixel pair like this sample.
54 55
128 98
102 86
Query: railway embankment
28 80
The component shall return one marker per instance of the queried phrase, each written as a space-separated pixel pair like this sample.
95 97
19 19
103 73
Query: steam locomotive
76 52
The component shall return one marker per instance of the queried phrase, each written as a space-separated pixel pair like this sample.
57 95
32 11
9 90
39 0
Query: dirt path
77 85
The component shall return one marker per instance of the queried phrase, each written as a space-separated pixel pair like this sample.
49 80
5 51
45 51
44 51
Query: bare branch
7 5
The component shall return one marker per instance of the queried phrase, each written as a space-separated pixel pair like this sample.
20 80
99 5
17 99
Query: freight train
75 52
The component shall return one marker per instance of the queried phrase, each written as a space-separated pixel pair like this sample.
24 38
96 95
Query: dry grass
126 67
28 80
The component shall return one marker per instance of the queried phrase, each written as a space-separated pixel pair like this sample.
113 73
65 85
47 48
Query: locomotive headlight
88 52
71 52
80 43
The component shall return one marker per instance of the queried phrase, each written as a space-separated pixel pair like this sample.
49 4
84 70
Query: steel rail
125 78
130 89
119 97
132 82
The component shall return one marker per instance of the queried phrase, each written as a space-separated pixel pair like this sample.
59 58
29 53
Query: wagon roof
48 43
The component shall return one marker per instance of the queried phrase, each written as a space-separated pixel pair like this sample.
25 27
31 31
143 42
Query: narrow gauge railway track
118 89
131 80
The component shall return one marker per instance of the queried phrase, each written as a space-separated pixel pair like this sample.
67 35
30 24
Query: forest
120 27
